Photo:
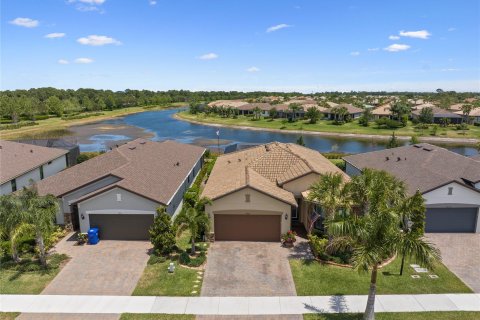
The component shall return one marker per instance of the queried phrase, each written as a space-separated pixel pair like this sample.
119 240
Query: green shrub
162 233
154 259
82 116
84 156
186 260
17 125
318 245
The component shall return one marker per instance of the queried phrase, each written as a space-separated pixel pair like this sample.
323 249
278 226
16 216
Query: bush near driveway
315 279
398 316
9 315
28 276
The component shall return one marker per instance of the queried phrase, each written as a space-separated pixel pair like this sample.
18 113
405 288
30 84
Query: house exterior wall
54 167
67 199
301 184
461 197
177 199
236 201
352 170
106 203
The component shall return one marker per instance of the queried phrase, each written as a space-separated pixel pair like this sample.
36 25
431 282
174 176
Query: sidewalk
235 305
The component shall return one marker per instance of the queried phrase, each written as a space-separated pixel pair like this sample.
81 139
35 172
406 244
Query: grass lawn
56 126
21 280
398 316
157 281
327 126
8 315
155 316
315 279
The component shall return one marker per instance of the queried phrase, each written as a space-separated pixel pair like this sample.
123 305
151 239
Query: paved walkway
109 268
461 254
235 305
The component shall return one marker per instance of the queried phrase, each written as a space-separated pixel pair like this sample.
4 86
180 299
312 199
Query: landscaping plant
162 233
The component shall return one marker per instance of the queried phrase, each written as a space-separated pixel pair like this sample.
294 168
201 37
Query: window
188 179
247 198
14 185
119 197
450 191
41 173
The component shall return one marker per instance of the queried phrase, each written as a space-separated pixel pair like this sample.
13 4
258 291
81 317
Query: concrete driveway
461 254
239 268
109 268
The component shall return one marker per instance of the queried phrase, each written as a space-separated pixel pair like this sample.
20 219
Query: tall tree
11 222
313 114
294 108
272 113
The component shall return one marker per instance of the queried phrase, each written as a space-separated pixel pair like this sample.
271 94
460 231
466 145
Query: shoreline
469 141
59 124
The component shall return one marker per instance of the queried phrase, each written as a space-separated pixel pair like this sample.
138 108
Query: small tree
300 141
273 113
426 115
11 222
257 113
162 232
194 219
313 114
393 142
414 140
294 107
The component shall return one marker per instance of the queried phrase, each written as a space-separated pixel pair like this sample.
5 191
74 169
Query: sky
244 45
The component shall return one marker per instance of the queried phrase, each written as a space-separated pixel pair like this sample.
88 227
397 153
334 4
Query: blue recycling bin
93 236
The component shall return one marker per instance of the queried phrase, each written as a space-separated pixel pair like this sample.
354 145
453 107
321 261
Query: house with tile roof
22 163
449 182
258 193
439 115
119 191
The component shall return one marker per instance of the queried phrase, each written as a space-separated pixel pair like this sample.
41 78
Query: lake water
160 125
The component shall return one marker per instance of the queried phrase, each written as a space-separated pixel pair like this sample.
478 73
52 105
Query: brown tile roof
265 168
350 109
251 106
474 113
422 166
152 169
228 103
382 110
19 158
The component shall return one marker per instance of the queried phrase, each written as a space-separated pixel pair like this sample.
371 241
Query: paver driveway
239 268
461 254
108 268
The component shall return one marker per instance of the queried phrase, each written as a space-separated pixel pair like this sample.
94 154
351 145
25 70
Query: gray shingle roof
154 170
422 167
19 158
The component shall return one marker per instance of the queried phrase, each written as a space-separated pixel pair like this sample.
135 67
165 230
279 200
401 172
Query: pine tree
162 232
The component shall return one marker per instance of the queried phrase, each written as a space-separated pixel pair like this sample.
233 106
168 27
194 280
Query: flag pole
218 141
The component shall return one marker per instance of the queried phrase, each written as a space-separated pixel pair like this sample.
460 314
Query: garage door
451 219
247 227
122 226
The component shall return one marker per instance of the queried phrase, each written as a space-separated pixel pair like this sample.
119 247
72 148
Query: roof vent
131 148
268 148
387 158
31 150
177 164
417 146
427 149
398 158
142 142
239 160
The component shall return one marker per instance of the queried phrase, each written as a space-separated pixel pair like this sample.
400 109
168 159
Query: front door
74 217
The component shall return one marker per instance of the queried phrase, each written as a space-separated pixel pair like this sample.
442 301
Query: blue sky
248 45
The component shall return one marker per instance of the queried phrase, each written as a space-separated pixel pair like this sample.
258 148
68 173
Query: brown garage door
122 226
247 227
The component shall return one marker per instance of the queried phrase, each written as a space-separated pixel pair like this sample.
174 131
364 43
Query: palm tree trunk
13 247
192 251
41 249
403 262
370 309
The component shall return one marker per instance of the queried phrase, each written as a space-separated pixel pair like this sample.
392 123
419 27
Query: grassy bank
443 315
327 126
315 279
57 126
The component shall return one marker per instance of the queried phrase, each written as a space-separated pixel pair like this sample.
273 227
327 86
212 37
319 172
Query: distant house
449 182
258 193
439 114
352 111
474 115
120 190
382 112
22 163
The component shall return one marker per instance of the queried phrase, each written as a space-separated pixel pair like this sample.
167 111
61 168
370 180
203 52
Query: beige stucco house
257 193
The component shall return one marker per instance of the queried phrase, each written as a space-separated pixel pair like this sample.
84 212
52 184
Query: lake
160 125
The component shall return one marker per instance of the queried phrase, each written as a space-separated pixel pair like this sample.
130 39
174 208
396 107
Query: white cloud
451 29
278 27
63 61
397 47
449 69
94 2
25 22
393 37
253 69
208 56
95 40
420 34
373 49
83 60
55 35
152 2
355 53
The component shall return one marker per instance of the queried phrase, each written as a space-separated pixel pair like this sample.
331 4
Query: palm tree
294 107
466 109
194 219
376 235
40 214
256 113
11 222
330 193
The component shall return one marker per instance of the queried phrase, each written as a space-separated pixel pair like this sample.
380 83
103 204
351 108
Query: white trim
112 211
